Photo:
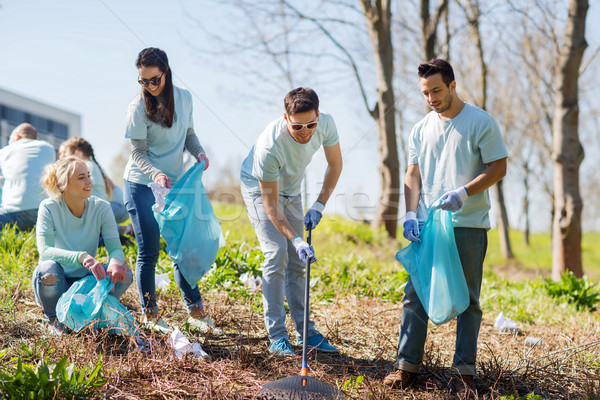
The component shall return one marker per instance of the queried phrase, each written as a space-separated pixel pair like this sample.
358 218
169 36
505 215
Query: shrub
49 381
579 291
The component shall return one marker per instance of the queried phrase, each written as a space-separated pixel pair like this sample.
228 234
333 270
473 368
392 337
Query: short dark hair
437 66
301 100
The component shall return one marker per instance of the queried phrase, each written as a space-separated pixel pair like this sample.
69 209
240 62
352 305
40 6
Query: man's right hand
304 250
411 227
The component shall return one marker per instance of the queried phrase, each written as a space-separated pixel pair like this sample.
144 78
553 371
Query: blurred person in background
22 164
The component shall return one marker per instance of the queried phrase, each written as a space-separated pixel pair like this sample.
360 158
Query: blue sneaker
320 343
281 347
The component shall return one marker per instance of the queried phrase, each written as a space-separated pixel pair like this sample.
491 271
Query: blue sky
79 55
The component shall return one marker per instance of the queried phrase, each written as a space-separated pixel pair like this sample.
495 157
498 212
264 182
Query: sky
80 55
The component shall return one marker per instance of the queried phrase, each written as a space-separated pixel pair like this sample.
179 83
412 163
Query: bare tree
567 151
318 35
472 12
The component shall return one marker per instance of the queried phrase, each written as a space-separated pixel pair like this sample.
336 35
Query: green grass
538 255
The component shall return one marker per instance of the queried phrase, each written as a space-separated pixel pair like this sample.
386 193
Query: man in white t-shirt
455 154
22 163
271 178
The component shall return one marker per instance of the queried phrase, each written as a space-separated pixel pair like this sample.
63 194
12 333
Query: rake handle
304 370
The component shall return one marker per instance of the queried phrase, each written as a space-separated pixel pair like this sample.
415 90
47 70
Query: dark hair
437 66
301 100
77 143
163 112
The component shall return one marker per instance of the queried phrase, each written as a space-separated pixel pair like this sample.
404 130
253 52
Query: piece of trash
182 346
159 193
534 341
504 324
162 281
250 281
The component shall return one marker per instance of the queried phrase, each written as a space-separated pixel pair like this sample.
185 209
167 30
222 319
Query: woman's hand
117 271
93 265
163 180
203 157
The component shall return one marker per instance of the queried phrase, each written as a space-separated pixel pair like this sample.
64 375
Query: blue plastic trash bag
435 269
88 303
190 227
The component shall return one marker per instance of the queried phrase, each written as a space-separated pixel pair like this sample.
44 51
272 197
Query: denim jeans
472 246
22 219
119 211
139 201
50 282
283 272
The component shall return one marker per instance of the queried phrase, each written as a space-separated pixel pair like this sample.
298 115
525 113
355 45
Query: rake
301 387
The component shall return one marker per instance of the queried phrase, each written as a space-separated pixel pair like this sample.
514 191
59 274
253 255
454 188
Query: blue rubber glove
304 250
313 215
453 200
411 227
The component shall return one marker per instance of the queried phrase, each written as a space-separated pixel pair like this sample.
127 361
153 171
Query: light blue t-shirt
452 153
22 165
276 156
64 231
98 184
165 145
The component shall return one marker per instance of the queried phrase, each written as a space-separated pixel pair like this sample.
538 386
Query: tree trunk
429 27
567 151
379 19
473 16
503 227
526 204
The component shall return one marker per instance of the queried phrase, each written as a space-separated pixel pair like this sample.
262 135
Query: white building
53 125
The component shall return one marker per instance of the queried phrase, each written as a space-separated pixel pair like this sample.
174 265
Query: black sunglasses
154 81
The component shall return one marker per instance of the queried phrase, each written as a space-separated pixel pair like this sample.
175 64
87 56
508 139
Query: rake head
299 388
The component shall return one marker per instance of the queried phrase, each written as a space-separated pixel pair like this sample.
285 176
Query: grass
537 256
356 292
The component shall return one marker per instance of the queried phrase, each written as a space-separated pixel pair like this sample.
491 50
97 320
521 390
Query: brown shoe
400 379
464 386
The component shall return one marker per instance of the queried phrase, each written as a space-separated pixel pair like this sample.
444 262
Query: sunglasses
154 81
310 125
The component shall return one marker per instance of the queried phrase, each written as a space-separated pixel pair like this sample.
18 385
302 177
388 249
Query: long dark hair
163 112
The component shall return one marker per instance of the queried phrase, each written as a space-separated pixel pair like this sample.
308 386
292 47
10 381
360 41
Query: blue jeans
283 272
50 282
119 211
472 246
22 219
139 201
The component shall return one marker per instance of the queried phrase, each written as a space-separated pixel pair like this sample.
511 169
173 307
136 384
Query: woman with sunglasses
160 127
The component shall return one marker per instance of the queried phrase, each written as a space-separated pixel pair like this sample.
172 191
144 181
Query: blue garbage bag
190 227
88 303
435 269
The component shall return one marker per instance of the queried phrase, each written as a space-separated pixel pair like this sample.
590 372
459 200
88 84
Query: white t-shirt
165 145
452 153
98 184
276 156
22 165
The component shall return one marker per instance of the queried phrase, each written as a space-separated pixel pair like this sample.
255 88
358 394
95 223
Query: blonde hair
57 175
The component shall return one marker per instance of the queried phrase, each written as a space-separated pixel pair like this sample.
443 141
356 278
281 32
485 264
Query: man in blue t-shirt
455 154
22 163
271 178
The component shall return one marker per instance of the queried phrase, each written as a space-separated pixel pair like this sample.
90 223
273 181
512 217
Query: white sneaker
204 325
157 325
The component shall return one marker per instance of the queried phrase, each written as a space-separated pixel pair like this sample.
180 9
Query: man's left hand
454 199
313 215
